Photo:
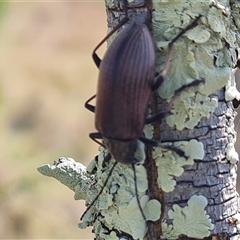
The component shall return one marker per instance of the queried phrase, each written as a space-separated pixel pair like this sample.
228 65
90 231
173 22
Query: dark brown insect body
124 86
126 80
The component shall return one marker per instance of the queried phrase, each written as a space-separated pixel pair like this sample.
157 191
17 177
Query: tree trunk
182 198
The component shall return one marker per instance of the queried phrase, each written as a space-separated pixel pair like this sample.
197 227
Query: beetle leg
170 45
95 57
158 117
95 136
196 82
236 103
89 106
154 143
157 82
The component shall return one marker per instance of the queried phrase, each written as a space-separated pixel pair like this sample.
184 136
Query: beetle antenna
138 200
104 185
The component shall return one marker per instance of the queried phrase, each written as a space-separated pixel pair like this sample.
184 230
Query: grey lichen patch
170 164
231 153
123 215
235 13
207 51
189 108
191 220
128 218
198 63
118 203
111 236
148 130
152 210
110 3
192 149
70 173
199 34
216 21
132 216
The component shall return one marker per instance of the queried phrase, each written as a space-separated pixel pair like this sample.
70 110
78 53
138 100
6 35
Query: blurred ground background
46 75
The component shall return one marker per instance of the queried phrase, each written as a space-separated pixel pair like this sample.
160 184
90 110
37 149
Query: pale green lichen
152 210
148 130
118 204
189 108
129 219
70 173
192 149
231 154
111 236
198 64
216 21
199 34
169 164
235 13
206 43
191 220
110 3
132 219
200 54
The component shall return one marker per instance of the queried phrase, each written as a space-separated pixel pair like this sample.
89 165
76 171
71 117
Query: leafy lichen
204 52
70 173
189 108
191 220
129 219
118 203
169 164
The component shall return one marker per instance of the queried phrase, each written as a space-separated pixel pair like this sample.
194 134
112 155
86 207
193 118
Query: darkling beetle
125 83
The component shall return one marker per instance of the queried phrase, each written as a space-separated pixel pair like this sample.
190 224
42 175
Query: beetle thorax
127 151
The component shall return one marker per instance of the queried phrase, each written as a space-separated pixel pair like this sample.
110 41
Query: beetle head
126 151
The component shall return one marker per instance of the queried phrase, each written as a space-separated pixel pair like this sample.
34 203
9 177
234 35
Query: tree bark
182 198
